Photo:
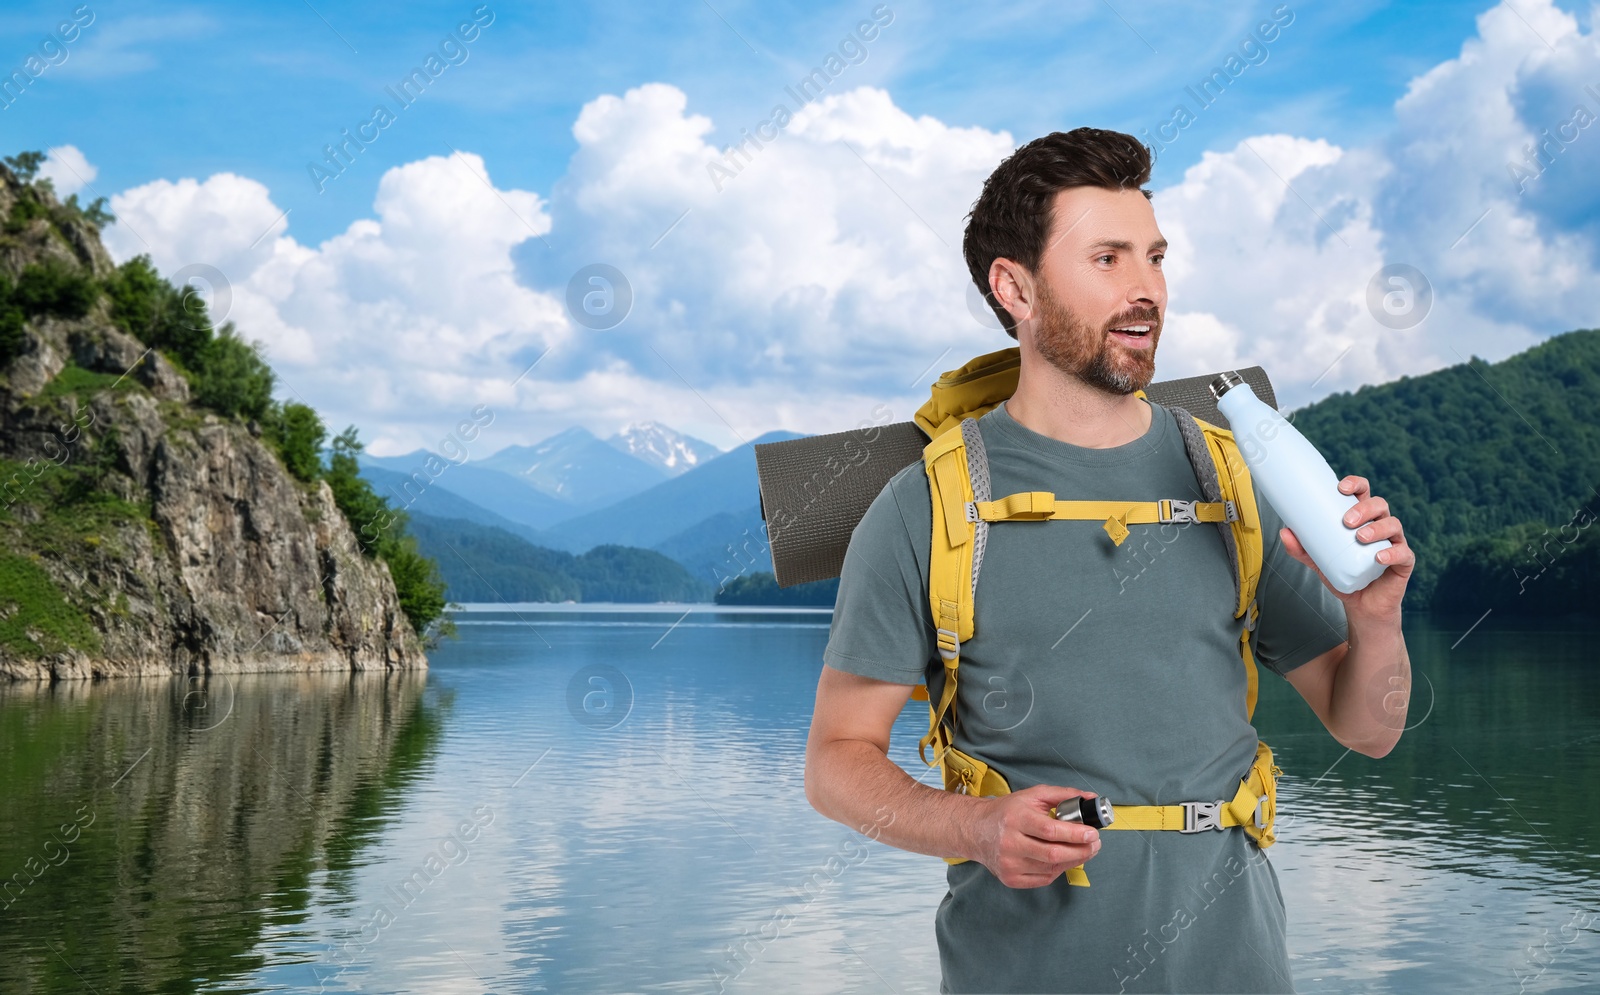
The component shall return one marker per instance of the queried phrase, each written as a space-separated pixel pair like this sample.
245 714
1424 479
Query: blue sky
811 289
161 91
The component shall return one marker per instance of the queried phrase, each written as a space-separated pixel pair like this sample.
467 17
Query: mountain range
647 486
564 476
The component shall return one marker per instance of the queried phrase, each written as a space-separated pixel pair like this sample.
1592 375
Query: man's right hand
1024 846
850 778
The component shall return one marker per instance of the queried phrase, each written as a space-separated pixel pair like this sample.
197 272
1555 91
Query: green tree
417 582
11 322
55 288
232 378
158 314
761 588
96 213
26 164
367 511
380 531
46 288
298 434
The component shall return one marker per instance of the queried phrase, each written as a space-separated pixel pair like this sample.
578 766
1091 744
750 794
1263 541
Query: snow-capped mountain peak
663 447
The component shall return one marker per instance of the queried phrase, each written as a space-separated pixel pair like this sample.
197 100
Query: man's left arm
1360 688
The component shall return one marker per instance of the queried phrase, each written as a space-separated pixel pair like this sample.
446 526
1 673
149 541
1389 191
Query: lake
609 798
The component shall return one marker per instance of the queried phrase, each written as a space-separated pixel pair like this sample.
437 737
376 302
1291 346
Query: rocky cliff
141 534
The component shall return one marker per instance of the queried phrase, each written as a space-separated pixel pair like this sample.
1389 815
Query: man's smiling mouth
1137 335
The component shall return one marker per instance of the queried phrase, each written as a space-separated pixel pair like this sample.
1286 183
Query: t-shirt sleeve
882 625
1300 617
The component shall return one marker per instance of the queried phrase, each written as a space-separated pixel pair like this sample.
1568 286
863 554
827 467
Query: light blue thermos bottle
1300 485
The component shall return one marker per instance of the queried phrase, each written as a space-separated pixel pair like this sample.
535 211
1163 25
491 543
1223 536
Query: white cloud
400 324
820 280
1458 129
1256 277
67 170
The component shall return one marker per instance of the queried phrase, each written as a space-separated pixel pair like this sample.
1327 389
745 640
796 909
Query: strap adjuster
1261 804
1200 816
954 639
1230 512
1176 510
972 511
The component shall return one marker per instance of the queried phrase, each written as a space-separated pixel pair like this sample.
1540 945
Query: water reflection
157 830
1450 863
520 827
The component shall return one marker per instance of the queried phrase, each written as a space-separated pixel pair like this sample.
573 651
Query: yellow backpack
958 479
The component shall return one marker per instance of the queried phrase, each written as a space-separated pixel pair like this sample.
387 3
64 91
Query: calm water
612 801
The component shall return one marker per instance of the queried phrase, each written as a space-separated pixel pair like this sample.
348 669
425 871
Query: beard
1078 349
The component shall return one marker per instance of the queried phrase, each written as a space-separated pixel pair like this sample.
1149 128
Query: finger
1366 510
1291 545
1051 794
1399 555
1354 485
1048 830
1041 798
1383 528
1036 852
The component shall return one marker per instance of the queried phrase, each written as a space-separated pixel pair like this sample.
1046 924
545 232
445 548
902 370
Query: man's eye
1157 258
1106 256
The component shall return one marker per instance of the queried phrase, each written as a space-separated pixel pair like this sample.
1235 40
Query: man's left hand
1379 600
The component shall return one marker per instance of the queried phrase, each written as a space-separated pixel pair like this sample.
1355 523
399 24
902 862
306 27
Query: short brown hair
1012 216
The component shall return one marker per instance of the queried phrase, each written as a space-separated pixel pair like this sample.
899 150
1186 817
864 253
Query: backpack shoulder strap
958 476
1223 476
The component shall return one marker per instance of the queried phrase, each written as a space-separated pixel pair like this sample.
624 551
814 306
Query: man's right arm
849 778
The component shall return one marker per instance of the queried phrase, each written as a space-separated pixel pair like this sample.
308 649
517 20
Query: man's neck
1058 405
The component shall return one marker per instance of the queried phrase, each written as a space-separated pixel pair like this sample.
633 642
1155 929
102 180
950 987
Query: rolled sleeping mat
814 490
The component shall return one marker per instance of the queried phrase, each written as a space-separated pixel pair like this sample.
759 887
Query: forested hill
1493 469
481 563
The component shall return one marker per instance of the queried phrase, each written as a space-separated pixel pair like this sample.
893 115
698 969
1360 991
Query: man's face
1101 272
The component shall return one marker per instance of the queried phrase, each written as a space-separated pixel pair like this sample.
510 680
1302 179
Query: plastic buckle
1200 816
1230 512
1261 803
972 511
1252 615
1176 510
955 650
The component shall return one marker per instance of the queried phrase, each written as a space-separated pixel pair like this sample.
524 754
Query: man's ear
1013 288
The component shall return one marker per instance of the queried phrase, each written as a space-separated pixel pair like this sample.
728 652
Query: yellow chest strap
1039 506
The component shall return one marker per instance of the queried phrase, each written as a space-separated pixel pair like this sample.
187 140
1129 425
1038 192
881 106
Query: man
1093 668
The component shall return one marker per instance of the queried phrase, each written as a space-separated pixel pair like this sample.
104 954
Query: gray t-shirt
1114 669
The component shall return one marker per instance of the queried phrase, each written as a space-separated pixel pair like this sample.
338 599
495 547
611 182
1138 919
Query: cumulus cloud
67 170
817 272
817 284
826 258
402 323
1256 276
1286 254
1460 129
